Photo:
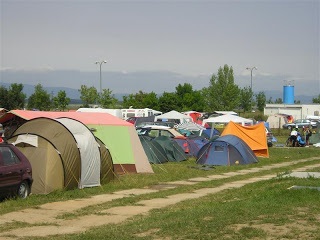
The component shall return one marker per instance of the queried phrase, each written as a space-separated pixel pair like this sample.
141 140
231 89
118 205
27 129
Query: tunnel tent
46 162
89 152
107 172
62 140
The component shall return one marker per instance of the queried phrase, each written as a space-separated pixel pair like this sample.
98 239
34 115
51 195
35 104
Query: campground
181 201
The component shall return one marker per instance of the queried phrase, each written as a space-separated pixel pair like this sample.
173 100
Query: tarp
226 151
173 116
254 136
118 135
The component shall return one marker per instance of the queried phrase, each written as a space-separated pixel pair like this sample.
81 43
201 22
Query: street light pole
100 63
251 69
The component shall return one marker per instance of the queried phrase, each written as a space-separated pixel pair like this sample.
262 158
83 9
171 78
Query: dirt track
46 222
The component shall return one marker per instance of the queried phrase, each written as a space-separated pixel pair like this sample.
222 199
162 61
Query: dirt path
46 222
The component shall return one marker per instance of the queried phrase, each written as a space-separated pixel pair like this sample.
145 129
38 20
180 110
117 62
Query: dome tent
226 150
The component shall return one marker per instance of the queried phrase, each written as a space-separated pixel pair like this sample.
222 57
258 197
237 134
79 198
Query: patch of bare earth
297 230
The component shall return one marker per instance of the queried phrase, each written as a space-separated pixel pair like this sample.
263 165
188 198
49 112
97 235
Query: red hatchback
15 172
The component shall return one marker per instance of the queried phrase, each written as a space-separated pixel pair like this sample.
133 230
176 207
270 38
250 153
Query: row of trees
221 94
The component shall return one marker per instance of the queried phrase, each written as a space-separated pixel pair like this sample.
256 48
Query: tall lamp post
251 69
100 63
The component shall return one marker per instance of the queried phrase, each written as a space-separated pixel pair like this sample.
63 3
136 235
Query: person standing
307 133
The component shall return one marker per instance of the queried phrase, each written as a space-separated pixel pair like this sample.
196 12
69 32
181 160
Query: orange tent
254 136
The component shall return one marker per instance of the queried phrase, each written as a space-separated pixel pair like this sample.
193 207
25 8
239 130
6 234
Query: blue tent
226 150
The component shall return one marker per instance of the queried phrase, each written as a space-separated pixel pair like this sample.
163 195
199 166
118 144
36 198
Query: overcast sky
187 37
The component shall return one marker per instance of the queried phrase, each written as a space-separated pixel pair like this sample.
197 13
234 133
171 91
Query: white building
298 111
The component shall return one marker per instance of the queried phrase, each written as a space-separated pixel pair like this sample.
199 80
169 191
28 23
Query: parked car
15 172
168 124
156 131
300 123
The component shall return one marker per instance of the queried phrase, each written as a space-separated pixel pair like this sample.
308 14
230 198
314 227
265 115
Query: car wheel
23 190
289 127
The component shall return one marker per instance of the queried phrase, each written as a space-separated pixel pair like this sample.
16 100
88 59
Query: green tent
154 151
172 149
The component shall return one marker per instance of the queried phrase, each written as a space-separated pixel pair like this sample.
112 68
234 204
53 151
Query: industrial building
298 111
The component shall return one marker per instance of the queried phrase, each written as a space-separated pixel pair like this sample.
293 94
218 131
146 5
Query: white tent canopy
227 118
173 115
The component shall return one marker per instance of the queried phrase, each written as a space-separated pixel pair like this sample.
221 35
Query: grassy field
261 210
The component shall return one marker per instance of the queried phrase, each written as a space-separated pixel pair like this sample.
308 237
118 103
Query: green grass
261 210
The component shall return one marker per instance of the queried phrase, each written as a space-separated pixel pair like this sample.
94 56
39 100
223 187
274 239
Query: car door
11 170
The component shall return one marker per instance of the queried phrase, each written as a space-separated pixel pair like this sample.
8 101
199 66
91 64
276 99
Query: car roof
155 127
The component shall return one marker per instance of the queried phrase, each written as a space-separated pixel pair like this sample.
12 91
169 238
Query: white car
156 131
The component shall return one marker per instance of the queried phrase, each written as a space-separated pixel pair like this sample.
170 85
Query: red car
15 172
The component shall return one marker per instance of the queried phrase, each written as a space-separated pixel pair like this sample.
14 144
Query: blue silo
288 94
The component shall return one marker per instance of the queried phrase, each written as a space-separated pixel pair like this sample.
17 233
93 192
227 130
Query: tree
40 99
168 102
4 97
141 100
270 100
246 99
222 93
189 99
261 101
61 101
16 98
316 100
278 101
13 98
106 99
88 95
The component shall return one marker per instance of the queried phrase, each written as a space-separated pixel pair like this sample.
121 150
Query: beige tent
46 162
63 154
277 120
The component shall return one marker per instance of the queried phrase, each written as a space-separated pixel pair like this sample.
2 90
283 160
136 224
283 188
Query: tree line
221 94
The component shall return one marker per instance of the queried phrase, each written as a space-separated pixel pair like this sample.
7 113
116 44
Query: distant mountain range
122 83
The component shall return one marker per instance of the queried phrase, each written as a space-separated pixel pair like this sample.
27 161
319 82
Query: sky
279 38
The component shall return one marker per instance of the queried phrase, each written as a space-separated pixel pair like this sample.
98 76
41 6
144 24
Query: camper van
132 112
114 112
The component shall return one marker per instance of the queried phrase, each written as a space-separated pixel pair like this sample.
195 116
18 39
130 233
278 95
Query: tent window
218 148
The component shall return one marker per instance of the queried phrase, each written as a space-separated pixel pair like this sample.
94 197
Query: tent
277 120
89 152
191 144
226 118
63 154
118 135
106 165
226 151
48 171
173 116
62 140
155 152
254 136
174 152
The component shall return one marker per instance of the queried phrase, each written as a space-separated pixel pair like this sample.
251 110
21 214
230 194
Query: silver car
300 123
